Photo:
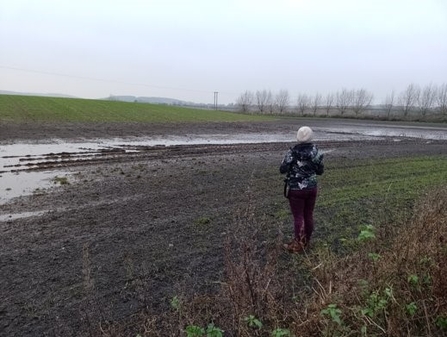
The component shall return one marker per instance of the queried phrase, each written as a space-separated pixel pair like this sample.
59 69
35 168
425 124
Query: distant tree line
414 100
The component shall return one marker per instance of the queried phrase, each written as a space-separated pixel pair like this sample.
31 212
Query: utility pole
216 96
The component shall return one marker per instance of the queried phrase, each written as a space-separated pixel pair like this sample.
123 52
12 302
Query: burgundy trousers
302 204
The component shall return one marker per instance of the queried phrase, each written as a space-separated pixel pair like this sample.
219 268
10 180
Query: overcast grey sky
190 49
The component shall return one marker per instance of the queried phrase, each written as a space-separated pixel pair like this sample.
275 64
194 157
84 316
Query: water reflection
13 216
26 167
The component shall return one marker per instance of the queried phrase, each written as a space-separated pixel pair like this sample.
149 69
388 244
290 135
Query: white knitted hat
304 134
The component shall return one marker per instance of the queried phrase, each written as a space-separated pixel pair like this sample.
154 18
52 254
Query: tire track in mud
130 153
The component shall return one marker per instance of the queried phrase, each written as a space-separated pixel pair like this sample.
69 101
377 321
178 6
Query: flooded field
102 221
27 168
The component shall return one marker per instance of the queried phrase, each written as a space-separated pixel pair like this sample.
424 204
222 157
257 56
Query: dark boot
294 247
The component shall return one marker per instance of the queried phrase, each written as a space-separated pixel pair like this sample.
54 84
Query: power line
100 79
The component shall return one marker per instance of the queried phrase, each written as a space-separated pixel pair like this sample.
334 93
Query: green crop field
361 192
374 191
51 109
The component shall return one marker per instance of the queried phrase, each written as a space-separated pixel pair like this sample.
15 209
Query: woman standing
302 164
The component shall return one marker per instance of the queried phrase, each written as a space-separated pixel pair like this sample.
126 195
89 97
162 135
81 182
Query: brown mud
132 229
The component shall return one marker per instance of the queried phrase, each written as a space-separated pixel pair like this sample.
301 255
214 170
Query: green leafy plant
426 279
197 331
194 331
213 331
374 256
61 180
202 221
253 322
333 312
426 261
175 303
366 234
411 308
441 322
413 280
377 302
279 332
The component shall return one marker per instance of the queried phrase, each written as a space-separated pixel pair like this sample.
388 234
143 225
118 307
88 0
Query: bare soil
134 229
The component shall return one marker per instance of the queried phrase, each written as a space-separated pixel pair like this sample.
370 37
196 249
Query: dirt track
131 230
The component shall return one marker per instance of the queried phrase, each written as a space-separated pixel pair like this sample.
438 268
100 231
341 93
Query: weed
333 312
411 308
197 331
194 331
279 332
441 321
374 256
213 331
61 180
202 221
175 303
253 322
413 280
377 302
366 234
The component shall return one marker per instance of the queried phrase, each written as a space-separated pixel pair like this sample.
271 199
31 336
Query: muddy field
131 230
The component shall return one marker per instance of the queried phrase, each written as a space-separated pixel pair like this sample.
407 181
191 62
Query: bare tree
245 101
442 98
302 103
282 100
343 100
270 102
389 103
409 97
261 100
316 102
329 102
361 100
427 98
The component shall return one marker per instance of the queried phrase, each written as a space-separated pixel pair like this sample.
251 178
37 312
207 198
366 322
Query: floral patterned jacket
302 164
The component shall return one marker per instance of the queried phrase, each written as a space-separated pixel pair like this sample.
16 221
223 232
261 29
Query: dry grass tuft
394 290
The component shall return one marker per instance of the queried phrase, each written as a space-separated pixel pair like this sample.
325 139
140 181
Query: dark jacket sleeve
318 163
286 162
319 170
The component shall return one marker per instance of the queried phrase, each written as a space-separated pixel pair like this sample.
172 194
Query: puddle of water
421 132
17 155
21 156
15 159
14 216
25 183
